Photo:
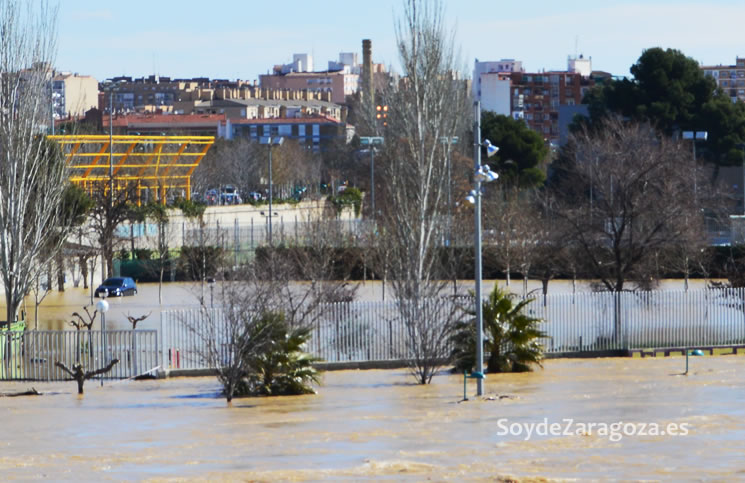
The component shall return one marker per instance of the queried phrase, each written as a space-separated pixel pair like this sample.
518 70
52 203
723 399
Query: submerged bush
280 367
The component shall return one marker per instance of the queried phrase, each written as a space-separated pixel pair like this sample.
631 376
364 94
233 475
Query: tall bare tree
629 194
109 212
430 103
32 171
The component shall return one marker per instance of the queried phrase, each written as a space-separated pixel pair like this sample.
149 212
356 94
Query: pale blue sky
244 38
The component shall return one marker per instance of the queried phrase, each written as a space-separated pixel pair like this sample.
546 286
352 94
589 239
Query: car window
114 282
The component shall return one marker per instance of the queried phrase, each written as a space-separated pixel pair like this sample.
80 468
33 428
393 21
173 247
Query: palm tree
283 367
510 338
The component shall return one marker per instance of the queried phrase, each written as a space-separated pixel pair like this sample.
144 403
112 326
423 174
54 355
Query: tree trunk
84 270
60 261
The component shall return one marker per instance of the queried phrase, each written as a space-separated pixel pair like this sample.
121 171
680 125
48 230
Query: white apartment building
491 84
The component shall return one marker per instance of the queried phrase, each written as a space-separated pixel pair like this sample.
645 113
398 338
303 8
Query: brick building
729 78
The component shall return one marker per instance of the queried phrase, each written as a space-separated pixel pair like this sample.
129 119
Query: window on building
285 130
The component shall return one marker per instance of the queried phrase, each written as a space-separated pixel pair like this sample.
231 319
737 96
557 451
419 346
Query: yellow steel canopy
158 163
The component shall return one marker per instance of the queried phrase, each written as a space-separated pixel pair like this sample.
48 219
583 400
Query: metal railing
588 321
31 355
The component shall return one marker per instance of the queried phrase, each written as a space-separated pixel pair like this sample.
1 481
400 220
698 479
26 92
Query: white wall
495 94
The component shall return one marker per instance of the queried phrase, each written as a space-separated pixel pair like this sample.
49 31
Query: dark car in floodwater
117 287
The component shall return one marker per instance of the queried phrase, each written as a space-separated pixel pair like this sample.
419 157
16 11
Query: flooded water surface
55 310
373 424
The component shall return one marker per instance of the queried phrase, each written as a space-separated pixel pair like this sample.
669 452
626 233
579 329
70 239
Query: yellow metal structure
160 164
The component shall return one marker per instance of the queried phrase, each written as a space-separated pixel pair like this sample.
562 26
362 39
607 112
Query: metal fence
589 321
32 354
199 338
638 320
285 231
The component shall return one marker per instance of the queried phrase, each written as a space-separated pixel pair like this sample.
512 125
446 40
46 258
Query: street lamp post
372 141
103 307
481 174
694 136
271 141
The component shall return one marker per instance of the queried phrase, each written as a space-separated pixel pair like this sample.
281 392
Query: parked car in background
210 197
255 196
229 196
117 287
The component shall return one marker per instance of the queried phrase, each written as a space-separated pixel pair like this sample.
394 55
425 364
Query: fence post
235 243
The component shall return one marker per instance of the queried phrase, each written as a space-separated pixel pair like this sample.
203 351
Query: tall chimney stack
368 89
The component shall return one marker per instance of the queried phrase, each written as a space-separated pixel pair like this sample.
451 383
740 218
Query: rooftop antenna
576 45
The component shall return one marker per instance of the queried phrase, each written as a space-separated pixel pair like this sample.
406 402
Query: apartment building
264 109
729 78
73 94
165 124
339 84
505 88
161 95
313 132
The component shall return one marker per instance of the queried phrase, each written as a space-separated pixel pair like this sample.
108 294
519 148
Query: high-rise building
505 88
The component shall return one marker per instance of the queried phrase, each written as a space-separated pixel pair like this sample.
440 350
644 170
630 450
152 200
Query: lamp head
491 149
471 198
102 306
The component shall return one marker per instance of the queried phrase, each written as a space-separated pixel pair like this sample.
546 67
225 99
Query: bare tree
158 213
32 171
77 373
628 195
135 320
109 211
512 230
430 103
243 163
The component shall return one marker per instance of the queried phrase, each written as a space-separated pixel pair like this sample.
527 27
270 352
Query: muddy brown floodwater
56 308
372 424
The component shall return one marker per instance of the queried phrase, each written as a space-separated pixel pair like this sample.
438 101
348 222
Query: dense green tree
521 150
670 91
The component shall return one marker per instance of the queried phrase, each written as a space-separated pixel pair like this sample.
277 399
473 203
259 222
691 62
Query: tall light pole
372 141
481 174
111 148
694 136
103 307
271 141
